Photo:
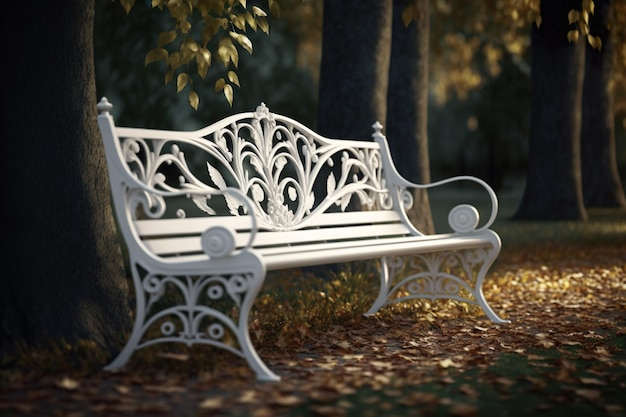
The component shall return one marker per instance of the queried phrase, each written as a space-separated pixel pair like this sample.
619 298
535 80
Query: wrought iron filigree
278 165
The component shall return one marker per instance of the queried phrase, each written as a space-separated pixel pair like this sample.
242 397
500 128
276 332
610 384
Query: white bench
204 214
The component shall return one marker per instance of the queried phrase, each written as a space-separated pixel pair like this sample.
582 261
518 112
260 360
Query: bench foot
456 275
195 309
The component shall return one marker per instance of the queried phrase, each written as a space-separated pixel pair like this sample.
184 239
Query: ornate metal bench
206 213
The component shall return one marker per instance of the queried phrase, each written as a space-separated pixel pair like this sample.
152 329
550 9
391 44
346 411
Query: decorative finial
377 129
263 112
104 106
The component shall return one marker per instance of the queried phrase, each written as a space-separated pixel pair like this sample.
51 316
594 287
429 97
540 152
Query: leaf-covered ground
563 286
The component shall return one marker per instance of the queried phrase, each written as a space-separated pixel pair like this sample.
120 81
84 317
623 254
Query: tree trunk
66 280
602 186
553 183
356 42
407 105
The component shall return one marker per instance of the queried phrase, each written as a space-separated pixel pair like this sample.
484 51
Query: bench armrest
460 217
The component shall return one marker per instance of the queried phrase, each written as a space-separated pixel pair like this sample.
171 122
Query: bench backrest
170 186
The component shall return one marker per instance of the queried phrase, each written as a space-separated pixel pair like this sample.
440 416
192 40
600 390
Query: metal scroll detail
207 309
456 275
441 275
288 174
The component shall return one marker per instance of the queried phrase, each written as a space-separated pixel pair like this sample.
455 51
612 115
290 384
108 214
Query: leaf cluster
204 31
581 19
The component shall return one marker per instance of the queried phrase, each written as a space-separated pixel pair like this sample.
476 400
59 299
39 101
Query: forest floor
562 285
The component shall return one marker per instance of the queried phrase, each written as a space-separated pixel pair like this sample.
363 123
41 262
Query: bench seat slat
347 251
160 227
181 245
309 255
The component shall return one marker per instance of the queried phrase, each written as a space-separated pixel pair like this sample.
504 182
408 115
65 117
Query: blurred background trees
479 85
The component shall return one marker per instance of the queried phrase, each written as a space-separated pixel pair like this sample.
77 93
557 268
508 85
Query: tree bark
553 188
66 280
356 39
602 186
407 105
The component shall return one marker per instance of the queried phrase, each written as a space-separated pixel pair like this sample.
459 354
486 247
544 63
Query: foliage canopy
204 30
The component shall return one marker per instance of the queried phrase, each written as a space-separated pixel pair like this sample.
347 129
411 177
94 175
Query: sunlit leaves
227 89
202 30
166 38
580 18
181 81
156 54
194 100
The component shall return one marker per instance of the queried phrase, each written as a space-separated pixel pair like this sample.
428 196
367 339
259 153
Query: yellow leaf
194 100
127 5
166 37
274 8
169 76
203 68
228 93
204 55
572 16
212 403
219 85
68 383
191 45
242 40
258 11
156 54
181 81
409 14
185 26
233 78
595 42
243 3
572 36
225 50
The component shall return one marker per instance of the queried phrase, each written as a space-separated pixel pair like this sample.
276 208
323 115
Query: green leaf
156 54
166 37
194 100
233 78
181 81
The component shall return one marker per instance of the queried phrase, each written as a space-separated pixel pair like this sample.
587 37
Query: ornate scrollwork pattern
288 172
193 309
451 275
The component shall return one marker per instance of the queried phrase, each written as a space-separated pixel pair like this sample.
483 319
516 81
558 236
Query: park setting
301 208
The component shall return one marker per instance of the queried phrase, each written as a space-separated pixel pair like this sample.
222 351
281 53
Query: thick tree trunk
553 183
602 186
407 104
64 277
356 42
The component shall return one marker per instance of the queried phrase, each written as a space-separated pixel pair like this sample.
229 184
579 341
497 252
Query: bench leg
456 275
197 309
